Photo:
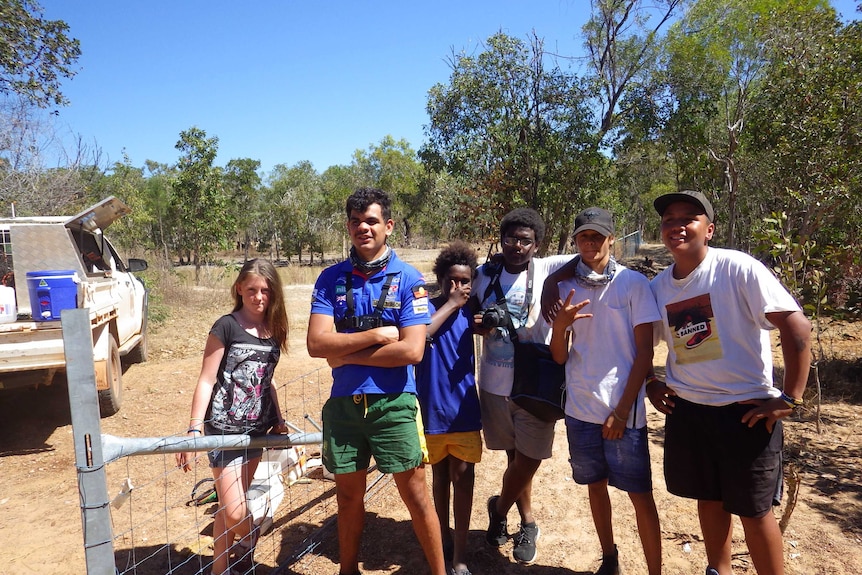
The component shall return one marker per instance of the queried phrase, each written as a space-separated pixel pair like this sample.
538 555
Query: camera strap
501 297
378 309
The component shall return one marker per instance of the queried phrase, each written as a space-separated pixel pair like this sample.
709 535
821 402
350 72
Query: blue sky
279 81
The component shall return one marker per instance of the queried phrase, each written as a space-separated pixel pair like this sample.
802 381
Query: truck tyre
111 399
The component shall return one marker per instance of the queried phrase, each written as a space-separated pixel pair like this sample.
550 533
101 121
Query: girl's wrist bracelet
193 430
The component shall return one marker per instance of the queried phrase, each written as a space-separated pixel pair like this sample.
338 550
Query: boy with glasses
526 439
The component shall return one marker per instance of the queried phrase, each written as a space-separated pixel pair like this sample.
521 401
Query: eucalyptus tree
336 184
127 182
623 41
199 201
296 193
394 166
718 56
806 137
516 129
36 54
243 183
157 194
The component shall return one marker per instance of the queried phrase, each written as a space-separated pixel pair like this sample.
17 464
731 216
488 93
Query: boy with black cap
723 432
606 343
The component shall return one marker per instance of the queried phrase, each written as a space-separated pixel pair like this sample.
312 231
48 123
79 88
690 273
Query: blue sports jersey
446 378
406 304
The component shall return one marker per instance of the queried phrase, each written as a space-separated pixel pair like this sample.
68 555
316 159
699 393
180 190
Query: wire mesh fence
143 515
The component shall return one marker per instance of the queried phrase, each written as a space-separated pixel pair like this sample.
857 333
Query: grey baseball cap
595 219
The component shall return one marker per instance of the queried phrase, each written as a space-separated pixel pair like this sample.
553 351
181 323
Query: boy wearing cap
723 431
605 341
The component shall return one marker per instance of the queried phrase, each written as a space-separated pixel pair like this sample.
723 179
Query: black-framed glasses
513 241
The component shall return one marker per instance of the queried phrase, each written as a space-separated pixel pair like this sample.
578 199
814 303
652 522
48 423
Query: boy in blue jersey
449 399
368 319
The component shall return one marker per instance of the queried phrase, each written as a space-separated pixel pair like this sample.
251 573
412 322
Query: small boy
723 432
449 400
609 357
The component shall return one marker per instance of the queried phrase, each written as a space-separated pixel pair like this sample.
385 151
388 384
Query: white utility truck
58 262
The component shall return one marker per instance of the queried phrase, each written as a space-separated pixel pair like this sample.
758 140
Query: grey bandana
372 266
586 277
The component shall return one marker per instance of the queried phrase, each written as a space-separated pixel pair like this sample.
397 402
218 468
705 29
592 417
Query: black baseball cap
595 219
689 196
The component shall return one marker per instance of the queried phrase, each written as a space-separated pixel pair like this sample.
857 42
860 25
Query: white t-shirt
496 364
714 323
603 347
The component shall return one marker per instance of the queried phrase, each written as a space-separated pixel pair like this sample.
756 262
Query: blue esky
280 81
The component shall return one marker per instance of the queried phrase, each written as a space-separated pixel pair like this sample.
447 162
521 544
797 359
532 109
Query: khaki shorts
507 426
464 445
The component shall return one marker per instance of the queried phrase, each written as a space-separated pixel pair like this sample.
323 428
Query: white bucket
8 310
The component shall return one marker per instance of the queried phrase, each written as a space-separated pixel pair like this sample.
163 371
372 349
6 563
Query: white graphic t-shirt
714 323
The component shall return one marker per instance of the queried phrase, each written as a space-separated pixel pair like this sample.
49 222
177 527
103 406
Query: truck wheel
111 399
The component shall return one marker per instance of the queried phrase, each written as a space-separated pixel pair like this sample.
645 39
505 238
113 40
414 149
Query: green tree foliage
337 183
127 183
516 129
243 184
394 166
35 54
199 202
302 221
622 38
806 137
157 198
717 57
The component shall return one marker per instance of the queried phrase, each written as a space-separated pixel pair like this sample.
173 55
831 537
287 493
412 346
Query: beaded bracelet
791 402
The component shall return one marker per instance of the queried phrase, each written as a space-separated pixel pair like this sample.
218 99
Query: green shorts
382 425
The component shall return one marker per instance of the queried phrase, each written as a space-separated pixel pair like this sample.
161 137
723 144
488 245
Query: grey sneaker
610 563
525 543
497 534
711 571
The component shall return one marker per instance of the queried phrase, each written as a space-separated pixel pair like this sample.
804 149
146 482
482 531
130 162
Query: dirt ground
40 517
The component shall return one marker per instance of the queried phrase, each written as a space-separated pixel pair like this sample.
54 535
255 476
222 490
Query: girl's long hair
276 311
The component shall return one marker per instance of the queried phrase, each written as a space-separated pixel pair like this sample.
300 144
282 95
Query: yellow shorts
465 445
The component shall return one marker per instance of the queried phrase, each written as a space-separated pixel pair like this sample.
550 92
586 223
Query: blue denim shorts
625 462
227 457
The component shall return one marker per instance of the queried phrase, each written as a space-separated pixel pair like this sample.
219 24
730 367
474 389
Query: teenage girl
235 394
